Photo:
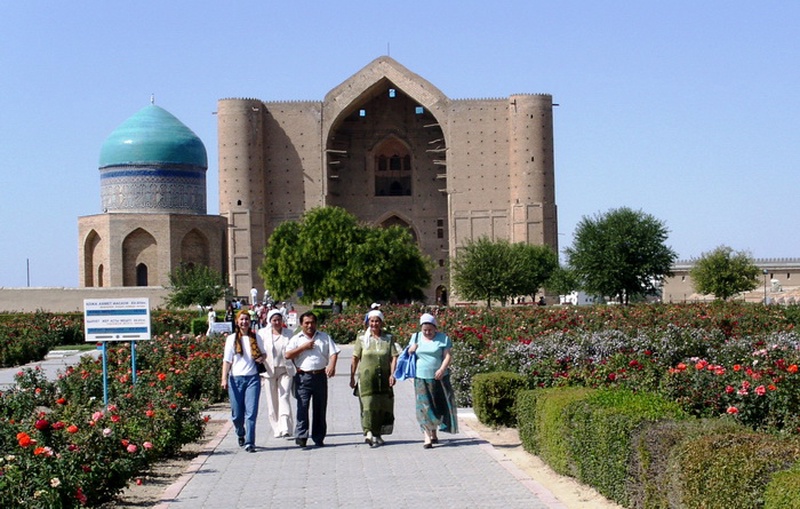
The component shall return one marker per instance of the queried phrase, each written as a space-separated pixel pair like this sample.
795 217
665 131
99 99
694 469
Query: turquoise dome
153 136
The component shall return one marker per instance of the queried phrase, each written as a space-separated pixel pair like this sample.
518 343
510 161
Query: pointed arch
139 248
195 248
91 256
396 219
391 167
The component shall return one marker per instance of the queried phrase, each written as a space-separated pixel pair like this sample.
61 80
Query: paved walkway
462 471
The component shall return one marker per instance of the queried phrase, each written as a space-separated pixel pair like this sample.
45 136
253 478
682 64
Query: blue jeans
312 394
244 392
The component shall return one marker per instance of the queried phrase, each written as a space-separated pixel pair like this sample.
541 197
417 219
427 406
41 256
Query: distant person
314 354
243 350
541 301
374 360
435 400
279 374
212 317
253 296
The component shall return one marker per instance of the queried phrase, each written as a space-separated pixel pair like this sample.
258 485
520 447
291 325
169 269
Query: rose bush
63 448
638 347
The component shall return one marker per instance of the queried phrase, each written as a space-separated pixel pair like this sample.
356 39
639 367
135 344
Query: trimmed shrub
651 485
542 425
783 491
730 469
602 427
493 396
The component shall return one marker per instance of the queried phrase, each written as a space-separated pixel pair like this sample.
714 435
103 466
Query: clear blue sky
689 111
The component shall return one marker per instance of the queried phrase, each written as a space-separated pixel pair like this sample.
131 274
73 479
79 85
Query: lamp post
765 272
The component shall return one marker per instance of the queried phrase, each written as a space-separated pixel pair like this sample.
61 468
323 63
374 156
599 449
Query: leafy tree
487 270
621 254
387 265
328 254
195 285
563 281
723 273
537 265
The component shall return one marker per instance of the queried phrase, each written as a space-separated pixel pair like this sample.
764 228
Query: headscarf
272 313
427 318
368 334
375 312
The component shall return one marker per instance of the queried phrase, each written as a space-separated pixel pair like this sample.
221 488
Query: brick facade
390 148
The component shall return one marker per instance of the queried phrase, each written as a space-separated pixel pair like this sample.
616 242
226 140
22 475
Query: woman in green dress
374 360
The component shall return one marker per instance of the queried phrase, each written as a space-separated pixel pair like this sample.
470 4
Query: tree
537 265
328 254
487 270
621 254
723 273
195 285
563 281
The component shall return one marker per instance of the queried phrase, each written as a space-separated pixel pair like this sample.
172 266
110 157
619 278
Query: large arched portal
386 160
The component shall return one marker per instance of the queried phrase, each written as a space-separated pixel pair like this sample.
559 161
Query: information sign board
116 319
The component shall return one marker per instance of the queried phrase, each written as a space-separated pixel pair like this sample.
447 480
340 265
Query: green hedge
601 429
493 396
783 491
542 426
732 469
652 485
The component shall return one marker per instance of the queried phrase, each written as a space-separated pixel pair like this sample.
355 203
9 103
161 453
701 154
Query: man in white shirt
314 354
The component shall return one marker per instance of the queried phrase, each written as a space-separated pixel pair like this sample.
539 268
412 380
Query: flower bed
63 448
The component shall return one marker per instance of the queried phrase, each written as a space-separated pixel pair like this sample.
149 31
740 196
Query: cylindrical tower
242 189
532 170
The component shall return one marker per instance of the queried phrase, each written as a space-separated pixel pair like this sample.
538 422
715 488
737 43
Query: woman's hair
236 323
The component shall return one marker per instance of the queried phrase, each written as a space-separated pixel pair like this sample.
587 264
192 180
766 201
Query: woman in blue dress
435 401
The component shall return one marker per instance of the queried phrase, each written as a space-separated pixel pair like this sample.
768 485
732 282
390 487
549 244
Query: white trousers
277 392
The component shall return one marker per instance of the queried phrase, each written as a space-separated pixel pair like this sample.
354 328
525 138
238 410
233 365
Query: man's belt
312 372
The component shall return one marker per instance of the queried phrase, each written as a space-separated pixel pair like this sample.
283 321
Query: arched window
141 275
100 275
392 168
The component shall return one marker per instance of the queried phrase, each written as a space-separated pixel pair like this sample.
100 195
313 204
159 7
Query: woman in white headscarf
374 360
436 404
278 376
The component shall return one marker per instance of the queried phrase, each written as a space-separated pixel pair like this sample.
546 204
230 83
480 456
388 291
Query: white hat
272 313
375 305
427 318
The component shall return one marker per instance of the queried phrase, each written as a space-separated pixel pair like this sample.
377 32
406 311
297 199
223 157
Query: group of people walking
300 364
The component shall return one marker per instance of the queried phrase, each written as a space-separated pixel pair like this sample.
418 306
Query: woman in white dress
278 376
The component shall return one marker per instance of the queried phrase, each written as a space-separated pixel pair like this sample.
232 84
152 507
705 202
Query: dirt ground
570 492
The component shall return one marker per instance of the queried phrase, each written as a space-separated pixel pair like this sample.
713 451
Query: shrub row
643 451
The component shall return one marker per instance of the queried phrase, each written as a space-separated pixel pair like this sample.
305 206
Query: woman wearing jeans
243 350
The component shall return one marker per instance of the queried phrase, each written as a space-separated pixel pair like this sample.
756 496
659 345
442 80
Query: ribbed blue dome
151 136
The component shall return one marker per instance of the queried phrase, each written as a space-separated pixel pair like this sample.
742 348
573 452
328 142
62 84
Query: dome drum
149 190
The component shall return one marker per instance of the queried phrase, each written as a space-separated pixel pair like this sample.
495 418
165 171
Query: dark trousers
311 391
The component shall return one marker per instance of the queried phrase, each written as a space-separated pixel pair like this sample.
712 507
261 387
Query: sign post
116 320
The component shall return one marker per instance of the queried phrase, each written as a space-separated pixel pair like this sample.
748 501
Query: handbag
261 367
406 365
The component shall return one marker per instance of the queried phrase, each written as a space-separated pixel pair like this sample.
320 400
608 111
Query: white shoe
379 441
368 438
